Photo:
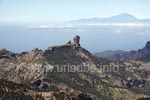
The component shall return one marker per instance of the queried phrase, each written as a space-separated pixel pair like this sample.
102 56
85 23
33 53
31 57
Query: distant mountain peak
125 15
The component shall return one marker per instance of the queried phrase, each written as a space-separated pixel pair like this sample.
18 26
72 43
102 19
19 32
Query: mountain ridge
140 54
121 18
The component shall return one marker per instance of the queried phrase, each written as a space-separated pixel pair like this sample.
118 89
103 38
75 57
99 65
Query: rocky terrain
140 55
70 72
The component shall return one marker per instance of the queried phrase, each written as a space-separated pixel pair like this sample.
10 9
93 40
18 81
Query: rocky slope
67 72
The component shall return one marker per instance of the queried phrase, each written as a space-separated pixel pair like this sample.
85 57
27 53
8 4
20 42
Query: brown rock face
76 39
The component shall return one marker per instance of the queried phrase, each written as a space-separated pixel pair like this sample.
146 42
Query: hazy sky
35 11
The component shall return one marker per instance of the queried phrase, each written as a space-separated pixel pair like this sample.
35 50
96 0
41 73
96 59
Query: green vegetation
74 81
14 96
64 56
13 91
144 98
59 96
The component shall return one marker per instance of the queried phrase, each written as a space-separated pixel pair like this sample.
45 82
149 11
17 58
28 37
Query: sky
53 11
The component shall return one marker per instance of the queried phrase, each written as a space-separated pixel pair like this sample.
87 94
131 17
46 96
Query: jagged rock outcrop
77 41
74 45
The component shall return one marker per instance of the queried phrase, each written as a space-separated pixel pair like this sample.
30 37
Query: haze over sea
93 37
